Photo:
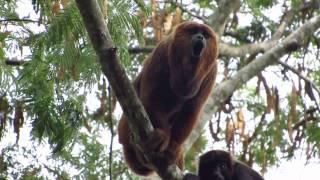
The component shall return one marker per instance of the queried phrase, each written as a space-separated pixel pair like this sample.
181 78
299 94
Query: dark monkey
173 86
219 165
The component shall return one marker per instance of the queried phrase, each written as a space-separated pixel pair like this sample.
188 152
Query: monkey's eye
193 30
206 34
223 166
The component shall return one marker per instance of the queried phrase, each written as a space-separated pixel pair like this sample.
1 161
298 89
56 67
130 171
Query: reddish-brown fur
173 86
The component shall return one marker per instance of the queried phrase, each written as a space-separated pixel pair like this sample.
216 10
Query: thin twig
145 49
111 131
302 77
258 128
18 20
187 11
15 62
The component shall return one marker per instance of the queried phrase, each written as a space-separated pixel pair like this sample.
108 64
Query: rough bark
138 120
221 15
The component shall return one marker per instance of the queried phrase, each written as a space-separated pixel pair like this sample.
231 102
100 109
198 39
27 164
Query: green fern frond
143 7
122 22
64 47
65 25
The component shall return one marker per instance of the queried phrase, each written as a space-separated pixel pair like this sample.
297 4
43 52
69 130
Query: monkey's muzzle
198 45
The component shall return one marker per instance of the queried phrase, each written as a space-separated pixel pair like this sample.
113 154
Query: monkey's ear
190 176
244 172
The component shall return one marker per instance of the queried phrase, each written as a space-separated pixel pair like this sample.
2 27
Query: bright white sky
293 170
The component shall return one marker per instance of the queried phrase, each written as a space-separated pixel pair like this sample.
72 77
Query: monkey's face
192 54
198 42
192 39
217 171
216 166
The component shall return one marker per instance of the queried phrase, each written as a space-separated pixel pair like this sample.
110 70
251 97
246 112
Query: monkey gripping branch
139 122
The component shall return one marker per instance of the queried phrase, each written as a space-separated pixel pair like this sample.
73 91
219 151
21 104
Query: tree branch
179 5
229 50
14 62
234 51
18 20
227 87
137 50
220 17
138 122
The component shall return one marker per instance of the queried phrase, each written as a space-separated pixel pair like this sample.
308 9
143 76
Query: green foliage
42 7
263 147
55 79
62 58
143 7
121 22
53 116
7 9
63 27
94 155
313 131
295 3
261 3
196 149
204 3
93 160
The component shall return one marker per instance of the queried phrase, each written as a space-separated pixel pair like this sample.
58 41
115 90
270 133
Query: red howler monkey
219 165
173 86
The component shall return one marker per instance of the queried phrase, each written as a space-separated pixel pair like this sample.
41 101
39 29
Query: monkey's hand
158 141
166 151
163 150
174 154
